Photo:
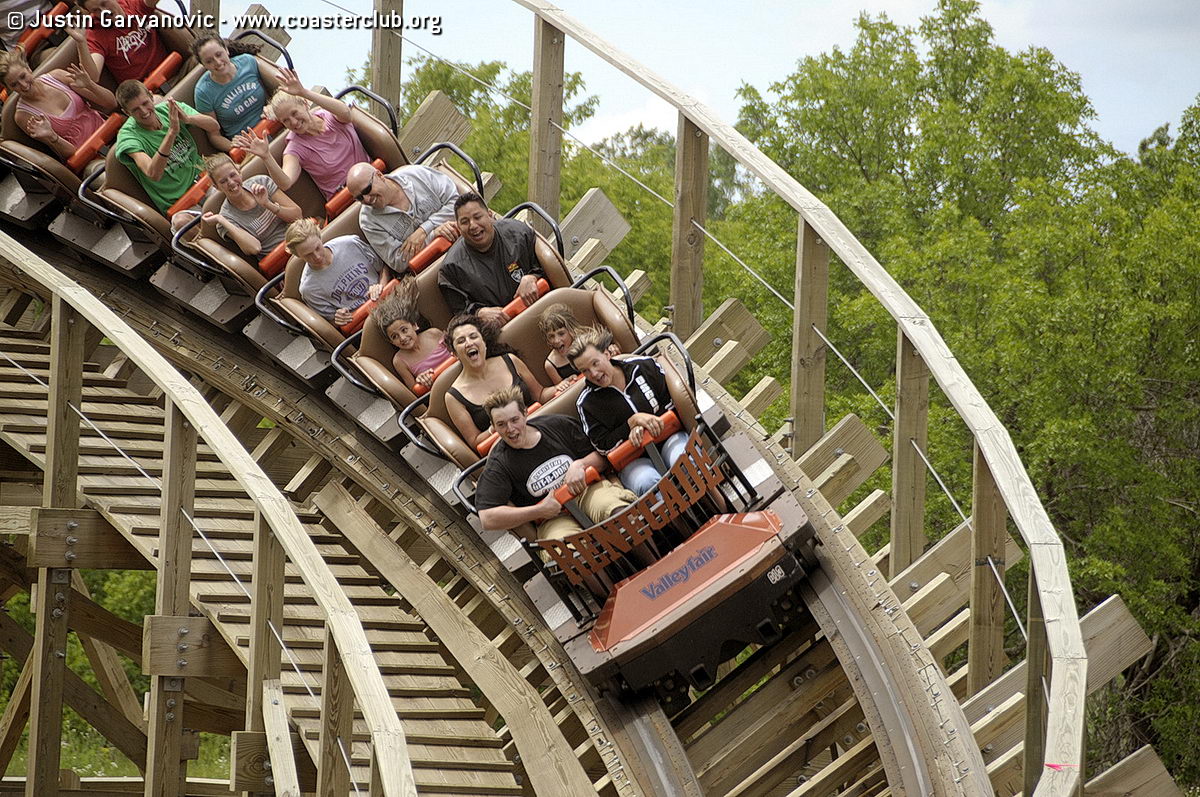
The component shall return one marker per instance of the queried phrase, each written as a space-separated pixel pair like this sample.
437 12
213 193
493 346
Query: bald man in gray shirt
403 210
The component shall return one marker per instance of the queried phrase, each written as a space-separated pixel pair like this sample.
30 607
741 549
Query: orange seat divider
562 494
489 441
100 138
627 452
341 200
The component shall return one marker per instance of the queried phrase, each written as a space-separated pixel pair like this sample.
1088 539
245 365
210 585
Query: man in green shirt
151 145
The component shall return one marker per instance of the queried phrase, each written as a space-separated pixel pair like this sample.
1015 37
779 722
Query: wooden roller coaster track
318 602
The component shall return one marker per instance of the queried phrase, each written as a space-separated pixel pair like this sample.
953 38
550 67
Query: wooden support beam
538 738
1037 661
435 120
172 599
16 714
308 478
51 604
808 350
594 216
849 436
687 242
13 306
337 724
985 653
278 34
266 617
387 55
762 395
731 321
252 765
242 420
95 710
108 669
908 470
79 538
728 360
546 115
868 512
284 777
187 646
1140 774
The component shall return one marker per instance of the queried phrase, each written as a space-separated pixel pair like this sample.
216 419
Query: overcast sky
1139 61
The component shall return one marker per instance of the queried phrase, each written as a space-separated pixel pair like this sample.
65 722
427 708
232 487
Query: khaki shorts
599 501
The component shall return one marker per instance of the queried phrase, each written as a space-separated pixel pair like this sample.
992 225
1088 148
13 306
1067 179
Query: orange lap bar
627 452
341 200
563 493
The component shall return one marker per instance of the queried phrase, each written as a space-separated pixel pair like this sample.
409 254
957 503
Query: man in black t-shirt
492 262
530 460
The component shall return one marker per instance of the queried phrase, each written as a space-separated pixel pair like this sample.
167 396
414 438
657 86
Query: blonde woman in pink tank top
54 108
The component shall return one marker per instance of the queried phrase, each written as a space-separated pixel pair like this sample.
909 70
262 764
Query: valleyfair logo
694 563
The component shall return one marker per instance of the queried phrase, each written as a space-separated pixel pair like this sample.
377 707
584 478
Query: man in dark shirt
492 262
623 399
531 459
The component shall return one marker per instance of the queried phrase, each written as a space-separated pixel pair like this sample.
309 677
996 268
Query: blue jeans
641 476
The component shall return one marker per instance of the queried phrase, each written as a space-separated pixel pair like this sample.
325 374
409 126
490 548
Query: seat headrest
590 308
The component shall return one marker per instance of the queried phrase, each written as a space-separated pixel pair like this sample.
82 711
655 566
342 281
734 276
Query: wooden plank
307 479
108 669
589 255
95 710
16 714
279 742
908 469
762 395
172 599
80 538
277 33
867 512
1140 774
187 646
51 604
546 115
728 360
266 613
1036 673
731 321
546 754
807 406
593 216
849 436
687 242
337 717
985 653
435 120
387 56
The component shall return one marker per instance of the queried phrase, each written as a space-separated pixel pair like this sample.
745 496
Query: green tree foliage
1063 276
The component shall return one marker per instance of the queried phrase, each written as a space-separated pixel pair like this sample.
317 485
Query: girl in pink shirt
52 108
320 140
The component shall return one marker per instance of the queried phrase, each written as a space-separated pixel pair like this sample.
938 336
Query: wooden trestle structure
324 607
